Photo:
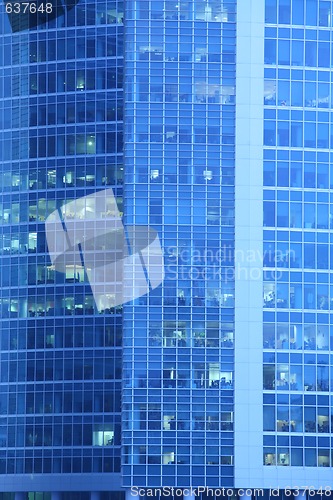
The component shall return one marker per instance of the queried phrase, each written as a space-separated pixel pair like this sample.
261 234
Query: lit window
154 174
208 175
103 438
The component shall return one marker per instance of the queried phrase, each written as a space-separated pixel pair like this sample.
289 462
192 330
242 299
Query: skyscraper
283 101
226 367
61 139
179 175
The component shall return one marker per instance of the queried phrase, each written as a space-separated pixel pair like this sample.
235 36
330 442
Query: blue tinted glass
298 12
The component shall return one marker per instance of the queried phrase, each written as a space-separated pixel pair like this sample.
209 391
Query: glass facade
144 394
179 177
297 295
61 139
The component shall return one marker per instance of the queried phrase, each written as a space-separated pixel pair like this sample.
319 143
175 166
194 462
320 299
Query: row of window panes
205 261
314 196
297 358
23 274
196 253
200 298
212 314
98 45
200 154
87 369
203 378
199 137
111 12
56 306
153 420
193 52
298 215
171 131
294 174
68 402
297 155
153 54
40 435
283 457
307 255
298 94
210 74
22 212
299 12
81 112
201 95
297 134
62 145
285 419
297 33
283 377
70 81
44 112
199 338
297 399
40 336
304 75
200 175
298 53
211 11
307 336
185 219
22 243
27 274
173 134
297 296
208 398
200 119
60 177
181 455
58 465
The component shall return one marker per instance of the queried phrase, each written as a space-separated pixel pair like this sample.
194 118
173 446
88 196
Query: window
270 11
282 456
311 12
311 53
298 12
309 135
270 51
284 11
270 92
269 456
269 133
103 437
324 458
210 11
284 52
324 54
324 13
